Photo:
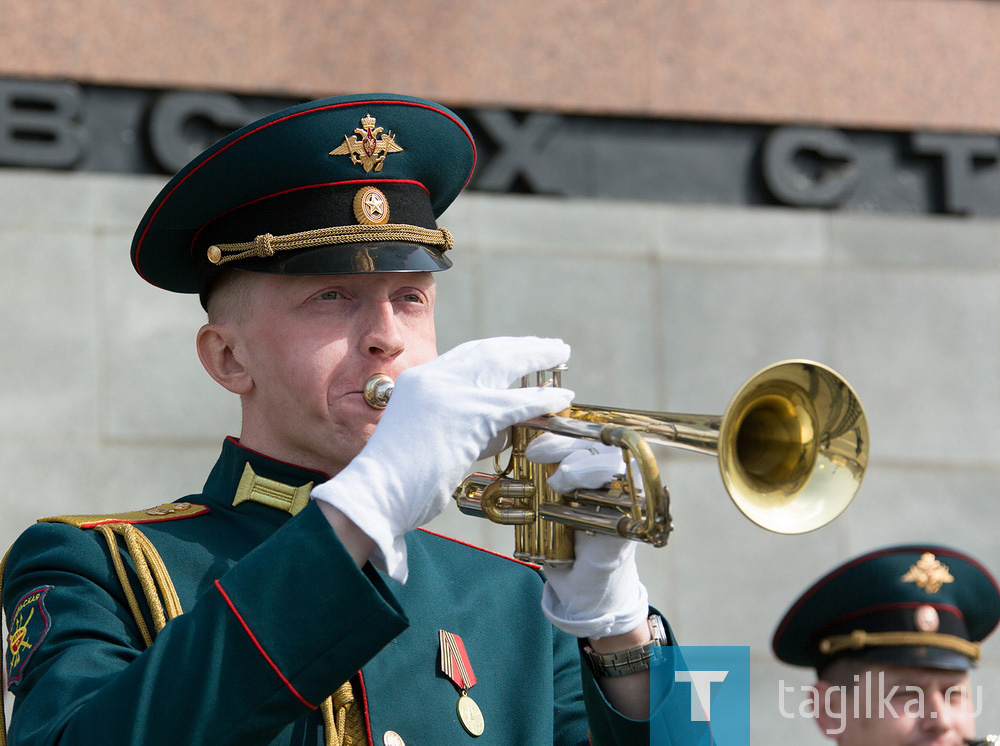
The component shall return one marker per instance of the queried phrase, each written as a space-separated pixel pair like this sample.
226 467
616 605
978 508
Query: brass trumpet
792 448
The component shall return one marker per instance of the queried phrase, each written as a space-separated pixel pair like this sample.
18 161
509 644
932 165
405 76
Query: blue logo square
700 696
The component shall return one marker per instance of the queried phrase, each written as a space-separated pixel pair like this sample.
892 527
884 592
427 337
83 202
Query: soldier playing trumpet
292 600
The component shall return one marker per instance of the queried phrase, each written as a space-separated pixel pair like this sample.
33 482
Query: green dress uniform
276 615
236 616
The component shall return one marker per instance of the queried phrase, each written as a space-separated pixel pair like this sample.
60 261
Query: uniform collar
248 481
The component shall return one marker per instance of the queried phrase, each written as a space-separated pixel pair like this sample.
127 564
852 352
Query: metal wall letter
172 146
958 154
520 152
809 167
39 124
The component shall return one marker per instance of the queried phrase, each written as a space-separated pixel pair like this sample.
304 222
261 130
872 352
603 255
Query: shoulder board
158 514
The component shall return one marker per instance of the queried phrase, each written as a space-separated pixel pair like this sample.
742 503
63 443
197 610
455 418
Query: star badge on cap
371 207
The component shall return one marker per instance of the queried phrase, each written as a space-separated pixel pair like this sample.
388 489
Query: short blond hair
231 296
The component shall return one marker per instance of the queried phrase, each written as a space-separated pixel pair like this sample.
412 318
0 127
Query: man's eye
957 694
411 298
330 295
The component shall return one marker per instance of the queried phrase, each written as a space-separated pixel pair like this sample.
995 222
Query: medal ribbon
455 661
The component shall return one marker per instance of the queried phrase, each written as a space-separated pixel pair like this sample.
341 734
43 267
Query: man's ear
216 350
828 708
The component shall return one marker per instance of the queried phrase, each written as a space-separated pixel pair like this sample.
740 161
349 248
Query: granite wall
906 64
104 406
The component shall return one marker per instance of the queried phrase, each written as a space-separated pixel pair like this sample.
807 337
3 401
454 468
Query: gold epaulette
160 594
161 597
166 512
157 587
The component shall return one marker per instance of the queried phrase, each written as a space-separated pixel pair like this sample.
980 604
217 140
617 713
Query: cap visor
917 656
353 259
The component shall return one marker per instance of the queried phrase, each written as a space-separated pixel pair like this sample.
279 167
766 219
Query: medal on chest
456 666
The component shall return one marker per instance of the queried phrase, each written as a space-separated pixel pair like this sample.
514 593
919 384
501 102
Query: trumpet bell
793 446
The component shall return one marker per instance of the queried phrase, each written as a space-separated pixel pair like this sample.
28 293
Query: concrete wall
104 406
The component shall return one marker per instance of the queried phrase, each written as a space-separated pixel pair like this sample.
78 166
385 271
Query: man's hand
600 597
443 416
601 594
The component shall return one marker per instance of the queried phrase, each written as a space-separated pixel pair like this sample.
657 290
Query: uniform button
392 738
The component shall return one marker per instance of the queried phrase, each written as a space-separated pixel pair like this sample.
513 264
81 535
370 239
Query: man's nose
938 716
383 336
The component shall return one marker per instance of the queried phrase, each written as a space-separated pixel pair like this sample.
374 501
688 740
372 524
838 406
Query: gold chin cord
792 448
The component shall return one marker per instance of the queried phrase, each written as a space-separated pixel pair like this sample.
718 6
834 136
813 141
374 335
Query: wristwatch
633 660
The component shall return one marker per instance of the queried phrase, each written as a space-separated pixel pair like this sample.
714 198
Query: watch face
658 630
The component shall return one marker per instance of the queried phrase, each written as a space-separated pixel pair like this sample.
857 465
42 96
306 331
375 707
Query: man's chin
349 448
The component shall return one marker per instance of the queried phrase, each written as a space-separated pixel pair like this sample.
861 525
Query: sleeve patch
28 625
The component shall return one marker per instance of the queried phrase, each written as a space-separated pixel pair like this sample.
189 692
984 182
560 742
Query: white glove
444 415
601 594
586 464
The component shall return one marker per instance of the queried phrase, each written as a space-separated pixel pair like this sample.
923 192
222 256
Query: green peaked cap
916 605
284 194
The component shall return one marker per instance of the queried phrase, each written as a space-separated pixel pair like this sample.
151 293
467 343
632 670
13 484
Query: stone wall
903 64
104 406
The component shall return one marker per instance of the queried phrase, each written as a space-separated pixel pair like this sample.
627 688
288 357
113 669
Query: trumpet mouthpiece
377 390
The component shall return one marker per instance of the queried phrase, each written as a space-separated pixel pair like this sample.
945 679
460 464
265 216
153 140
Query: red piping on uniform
299 188
253 638
138 247
236 442
481 549
158 519
364 700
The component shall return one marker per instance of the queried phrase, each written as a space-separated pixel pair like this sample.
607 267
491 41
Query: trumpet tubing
792 448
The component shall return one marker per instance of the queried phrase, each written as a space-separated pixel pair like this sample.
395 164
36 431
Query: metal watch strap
633 660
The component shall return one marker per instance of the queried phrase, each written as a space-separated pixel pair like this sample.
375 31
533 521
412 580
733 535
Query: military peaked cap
918 605
341 185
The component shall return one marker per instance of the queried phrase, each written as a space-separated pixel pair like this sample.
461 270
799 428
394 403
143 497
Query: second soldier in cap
893 635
